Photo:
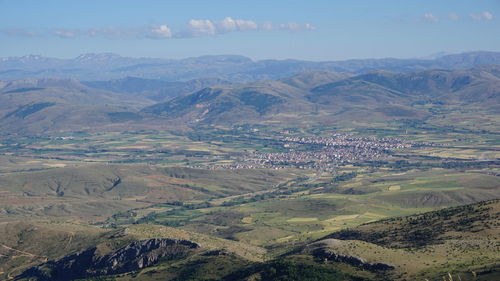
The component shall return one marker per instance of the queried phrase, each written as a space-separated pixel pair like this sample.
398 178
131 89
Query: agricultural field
249 141
261 196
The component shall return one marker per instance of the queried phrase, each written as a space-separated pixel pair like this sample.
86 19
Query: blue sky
299 29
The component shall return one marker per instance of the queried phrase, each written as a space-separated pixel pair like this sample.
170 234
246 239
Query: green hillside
319 176
337 97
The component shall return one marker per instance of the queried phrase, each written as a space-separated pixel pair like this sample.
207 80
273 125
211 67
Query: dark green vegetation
26 110
461 242
430 228
290 270
22 90
319 176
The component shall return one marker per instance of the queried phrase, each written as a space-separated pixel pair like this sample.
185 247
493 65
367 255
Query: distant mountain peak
222 59
42 82
97 57
31 58
236 68
437 55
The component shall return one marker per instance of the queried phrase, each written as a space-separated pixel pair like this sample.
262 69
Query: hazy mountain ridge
235 68
447 86
249 101
392 94
49 104
154 89
37 105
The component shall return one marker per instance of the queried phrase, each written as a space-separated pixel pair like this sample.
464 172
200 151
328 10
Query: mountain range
332 96
226 168
39 105
107 66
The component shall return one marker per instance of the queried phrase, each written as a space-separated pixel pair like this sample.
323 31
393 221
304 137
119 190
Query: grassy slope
24 244
458 240
276 222
328 207
94 191
27 244
465 244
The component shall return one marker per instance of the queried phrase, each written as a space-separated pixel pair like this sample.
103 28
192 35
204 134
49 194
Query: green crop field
256 197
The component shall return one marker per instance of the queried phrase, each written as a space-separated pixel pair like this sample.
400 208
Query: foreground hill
465 248
69 252
458 242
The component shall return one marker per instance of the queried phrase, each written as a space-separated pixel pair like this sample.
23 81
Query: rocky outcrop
328 255
135 256
114 182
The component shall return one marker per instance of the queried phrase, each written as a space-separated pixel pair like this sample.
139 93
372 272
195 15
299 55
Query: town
323 153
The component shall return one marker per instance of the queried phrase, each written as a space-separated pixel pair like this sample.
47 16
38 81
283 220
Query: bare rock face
327 254
135 256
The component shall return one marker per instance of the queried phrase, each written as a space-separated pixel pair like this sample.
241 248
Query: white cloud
113 32
201 27
246 25
18 32
197 28
290 26
453 16
430 17
66 33
161 31
227 24
309 26
486 15
293 26
193 28
207 27
475 16
267 25
230 24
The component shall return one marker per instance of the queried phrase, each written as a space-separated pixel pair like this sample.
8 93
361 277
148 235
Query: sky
260 29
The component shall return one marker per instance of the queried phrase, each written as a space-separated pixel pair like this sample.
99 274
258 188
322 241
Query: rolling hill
462 245
251 102
99 191
40 105
36 106
337 96
89 252
459 241
476 85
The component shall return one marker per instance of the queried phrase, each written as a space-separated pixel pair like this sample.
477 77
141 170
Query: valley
320 175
